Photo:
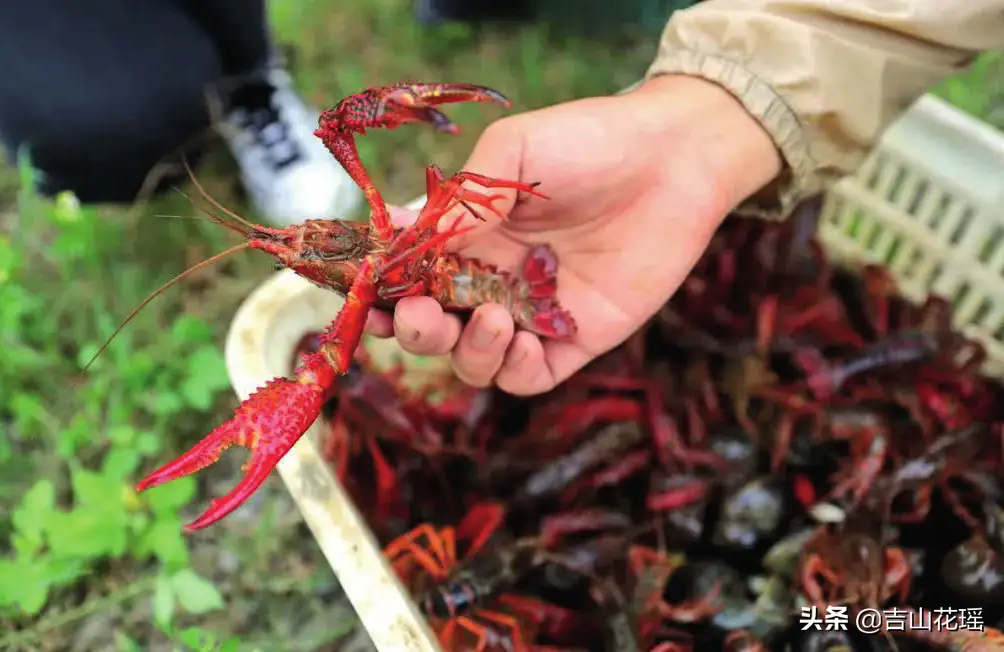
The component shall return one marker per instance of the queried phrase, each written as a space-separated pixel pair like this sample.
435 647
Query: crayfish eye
279 266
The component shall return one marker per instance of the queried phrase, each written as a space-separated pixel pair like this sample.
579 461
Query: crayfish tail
268 423
541 313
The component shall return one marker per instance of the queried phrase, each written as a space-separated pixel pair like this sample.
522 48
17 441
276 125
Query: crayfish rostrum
373 265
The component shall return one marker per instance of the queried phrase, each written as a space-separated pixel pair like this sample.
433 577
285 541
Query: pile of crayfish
797 436
782 435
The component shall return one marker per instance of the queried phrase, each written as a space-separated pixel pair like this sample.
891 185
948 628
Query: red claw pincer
389 107
397 104
268 423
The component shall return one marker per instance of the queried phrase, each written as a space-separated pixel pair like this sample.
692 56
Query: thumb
498 154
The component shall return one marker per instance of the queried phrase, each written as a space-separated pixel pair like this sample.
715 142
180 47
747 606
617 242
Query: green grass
83 557
979 91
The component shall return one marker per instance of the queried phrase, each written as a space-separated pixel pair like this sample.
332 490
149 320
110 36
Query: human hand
637 185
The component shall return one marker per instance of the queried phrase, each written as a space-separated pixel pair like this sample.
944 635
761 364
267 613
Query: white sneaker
287 171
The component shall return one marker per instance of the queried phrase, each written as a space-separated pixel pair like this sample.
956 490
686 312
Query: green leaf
197 639
169 497
163 602
99 523
120 463
8 259
59 572
91 488
23 585
165 539
67 208
122 434
190 330
30 517
87 351
138 371
88 533
124 643
79 433
196 594
207 375
167 403
232 644
149 443
28 409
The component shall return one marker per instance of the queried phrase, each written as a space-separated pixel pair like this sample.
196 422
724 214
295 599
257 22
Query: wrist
737 150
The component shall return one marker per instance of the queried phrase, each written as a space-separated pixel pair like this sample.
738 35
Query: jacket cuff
797 178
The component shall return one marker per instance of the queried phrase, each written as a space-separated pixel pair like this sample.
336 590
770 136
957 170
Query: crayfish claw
397 104
205 453
442 93
440 121
268 424
256 472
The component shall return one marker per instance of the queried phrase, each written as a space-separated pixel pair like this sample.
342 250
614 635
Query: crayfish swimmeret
374 265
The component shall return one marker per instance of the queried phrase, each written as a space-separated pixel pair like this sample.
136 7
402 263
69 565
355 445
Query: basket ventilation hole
918 196
912 260
898 181
937 215
874 234
835 211
981 311
934 276
960 295
855 224
895 249
991 243
962 227
878 163
998 334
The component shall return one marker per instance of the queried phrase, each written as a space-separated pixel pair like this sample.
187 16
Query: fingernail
482 337
406 333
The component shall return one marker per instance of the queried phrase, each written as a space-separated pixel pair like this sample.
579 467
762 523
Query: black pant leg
239 28
99 91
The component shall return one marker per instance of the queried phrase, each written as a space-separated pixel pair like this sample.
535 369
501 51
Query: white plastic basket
927 202
929 205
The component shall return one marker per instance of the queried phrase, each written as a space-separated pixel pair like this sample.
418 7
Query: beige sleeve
825 77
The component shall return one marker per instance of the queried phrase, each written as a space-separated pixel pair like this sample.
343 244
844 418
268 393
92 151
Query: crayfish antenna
248 231
156 293
268 423
215 203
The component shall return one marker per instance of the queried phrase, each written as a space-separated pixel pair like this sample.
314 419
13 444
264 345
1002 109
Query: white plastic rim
260 346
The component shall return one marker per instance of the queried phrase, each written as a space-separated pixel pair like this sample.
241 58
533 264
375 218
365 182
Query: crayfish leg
479 524
485 635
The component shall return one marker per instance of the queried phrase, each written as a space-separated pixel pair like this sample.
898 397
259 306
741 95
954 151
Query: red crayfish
374 265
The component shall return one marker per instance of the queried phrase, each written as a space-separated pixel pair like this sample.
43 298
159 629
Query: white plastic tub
929 203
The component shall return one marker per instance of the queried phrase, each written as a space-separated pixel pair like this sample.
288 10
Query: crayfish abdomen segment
530 296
